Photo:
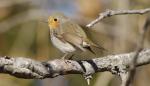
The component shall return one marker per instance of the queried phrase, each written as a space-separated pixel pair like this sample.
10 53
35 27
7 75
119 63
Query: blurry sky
67 6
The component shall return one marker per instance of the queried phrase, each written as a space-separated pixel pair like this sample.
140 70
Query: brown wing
74 28
73 39
75 35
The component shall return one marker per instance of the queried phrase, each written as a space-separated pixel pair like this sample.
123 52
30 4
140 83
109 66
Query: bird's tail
91 50
99 47
92 46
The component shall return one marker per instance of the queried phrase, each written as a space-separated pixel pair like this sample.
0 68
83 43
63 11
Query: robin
68 36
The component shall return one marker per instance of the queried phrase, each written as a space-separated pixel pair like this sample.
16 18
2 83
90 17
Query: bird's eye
55 19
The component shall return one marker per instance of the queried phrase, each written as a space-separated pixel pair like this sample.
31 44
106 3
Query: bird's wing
78 42
70 26
73 39
75 35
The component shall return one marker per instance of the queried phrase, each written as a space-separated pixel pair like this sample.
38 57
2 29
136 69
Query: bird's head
55 20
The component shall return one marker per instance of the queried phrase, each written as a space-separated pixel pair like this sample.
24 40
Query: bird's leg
65 55
71 57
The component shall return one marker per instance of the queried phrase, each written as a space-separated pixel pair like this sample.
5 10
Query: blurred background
23 33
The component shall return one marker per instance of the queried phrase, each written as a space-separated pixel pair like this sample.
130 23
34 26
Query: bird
68 36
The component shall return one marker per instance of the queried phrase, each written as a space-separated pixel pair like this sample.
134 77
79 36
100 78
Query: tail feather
90 49
99 47
90 43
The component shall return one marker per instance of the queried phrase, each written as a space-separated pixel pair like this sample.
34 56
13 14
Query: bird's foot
71 57
63 57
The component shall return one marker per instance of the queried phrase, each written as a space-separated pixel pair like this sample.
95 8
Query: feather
90 49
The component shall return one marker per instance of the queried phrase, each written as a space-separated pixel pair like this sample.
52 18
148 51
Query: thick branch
110 13
31 69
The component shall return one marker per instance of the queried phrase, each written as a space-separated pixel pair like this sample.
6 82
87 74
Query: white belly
64 47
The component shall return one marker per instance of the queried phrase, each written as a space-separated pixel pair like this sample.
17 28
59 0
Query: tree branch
30 69
131 73
110 13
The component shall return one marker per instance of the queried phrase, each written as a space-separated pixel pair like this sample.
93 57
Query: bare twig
127 76
129 80
110 13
